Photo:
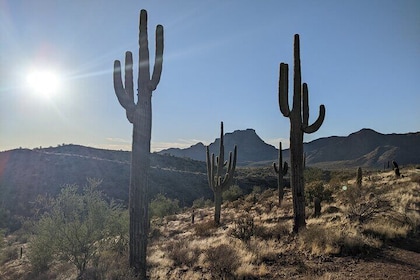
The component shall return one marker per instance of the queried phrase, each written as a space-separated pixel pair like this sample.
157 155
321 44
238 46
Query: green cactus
281 171
299 118
140 115
359 178
218 179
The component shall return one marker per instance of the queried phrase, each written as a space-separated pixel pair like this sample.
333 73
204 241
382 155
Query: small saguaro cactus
299 124
140 115
219 180
396 169
281 171
359 178
317 207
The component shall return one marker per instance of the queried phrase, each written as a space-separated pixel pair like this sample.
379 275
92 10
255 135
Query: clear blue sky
361 59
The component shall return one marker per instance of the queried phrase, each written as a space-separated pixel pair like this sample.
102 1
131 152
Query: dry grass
255 241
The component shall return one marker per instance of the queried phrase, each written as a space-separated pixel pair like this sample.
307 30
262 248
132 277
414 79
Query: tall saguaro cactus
299 118
281 170
140 115
218 179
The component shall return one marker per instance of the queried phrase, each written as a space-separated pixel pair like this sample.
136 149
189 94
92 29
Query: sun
45 83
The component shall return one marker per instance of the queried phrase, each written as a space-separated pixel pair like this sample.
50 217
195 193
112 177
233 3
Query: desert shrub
416 178
276 231
205 229
312 174
353 244
110 264
317 189
201 203
222 261
364 203
75 229
267 194
182 254
256 189
9 253
319 240
386 230
264 251
243 228
162 206
344 241
232 193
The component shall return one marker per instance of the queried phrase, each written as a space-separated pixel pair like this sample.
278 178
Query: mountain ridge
366 148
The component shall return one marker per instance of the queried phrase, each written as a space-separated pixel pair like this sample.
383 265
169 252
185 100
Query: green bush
76 228
317 189
201 203
232 193
312 174
9 254
162 206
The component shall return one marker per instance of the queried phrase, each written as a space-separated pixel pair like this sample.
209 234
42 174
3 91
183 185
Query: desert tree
140 115
75 228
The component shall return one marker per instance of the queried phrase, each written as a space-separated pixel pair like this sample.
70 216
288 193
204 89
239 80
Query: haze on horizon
221 63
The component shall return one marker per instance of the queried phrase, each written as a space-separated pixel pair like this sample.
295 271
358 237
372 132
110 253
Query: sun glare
43 83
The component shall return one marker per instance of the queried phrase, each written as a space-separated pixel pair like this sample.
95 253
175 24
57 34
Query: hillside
25 174
360 236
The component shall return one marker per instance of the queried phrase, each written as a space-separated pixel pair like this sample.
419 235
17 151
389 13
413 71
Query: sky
360 58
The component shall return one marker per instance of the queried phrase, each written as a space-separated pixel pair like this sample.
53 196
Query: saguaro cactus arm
144 66
227 180
157 69
305 107
210 168
283 89
125 95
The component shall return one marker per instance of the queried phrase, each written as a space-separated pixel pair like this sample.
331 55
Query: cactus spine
281 171
215 169
299 118
140 115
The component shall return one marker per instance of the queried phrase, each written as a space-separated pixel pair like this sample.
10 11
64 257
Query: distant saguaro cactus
359 178
317 207
396 168
140 115
281 171
218 179
299 118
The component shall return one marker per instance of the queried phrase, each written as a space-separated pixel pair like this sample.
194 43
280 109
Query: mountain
251 148
25 174
366 148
